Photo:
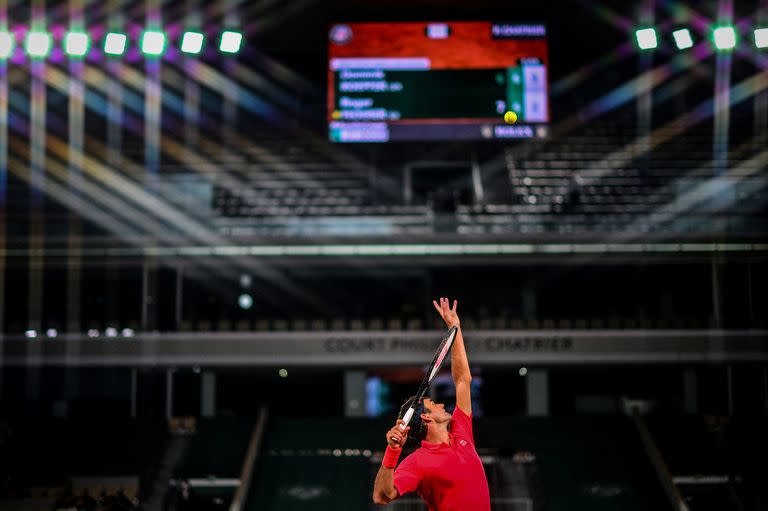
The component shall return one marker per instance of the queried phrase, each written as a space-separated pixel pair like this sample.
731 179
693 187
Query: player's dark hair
418 431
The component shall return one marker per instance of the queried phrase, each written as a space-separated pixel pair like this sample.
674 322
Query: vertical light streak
37 140
191 85
645 98
152 121
761 99
114 90
231 21
75 159
37 129
3 175
722 112
153 97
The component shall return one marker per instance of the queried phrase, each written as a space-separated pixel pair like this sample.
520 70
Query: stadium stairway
174 452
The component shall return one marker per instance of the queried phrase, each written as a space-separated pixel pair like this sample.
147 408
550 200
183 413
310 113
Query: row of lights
153 43
352 452
93 333
724 38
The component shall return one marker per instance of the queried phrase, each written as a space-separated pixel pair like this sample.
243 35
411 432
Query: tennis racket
432 370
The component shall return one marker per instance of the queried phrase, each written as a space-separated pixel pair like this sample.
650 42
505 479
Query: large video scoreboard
436 81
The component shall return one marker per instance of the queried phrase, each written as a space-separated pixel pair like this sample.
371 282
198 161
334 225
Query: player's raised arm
462 377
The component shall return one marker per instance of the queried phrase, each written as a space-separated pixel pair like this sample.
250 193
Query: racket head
434 367
441 354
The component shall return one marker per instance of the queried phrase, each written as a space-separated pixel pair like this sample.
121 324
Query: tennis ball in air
510 117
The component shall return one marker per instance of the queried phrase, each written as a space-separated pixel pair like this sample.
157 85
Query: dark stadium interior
207 302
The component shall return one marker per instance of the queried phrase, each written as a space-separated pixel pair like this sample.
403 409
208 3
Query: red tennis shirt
448 477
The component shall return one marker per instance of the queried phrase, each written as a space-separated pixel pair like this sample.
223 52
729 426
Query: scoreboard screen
436 81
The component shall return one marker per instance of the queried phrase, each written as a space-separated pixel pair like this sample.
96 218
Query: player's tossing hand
396 437
448 314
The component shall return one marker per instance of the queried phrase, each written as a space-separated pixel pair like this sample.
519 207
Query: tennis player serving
445 471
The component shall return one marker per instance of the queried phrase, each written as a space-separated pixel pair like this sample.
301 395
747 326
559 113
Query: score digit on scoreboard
436 81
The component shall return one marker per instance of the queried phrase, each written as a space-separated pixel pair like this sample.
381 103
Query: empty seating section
516 323
289 188
602 181
317 201
599 180
288 191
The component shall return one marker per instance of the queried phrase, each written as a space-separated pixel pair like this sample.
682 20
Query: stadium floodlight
38 44
725 38
153 43
6 45
646 38
115 43
192 42
76 44
761 37
245 301
230 41
683 38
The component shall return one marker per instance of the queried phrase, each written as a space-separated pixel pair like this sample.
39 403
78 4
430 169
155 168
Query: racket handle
406 419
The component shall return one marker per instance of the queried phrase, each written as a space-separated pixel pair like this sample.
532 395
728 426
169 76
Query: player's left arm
462 377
